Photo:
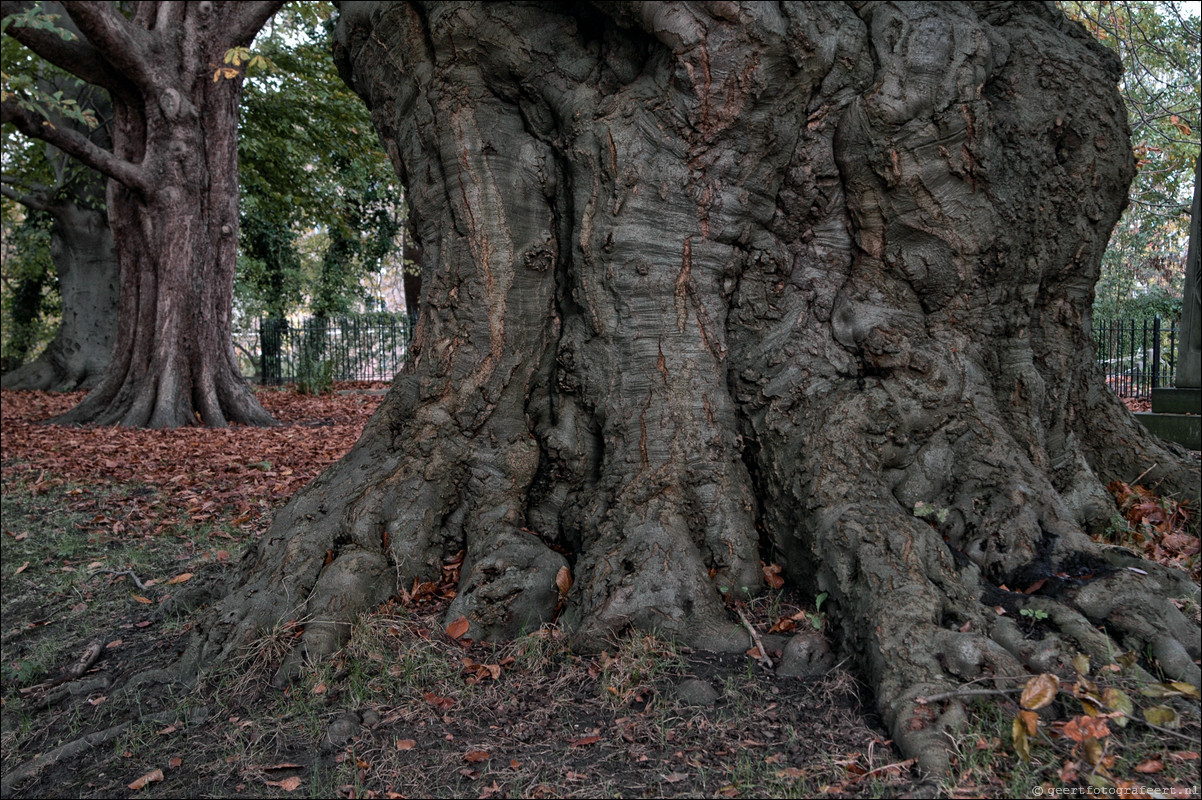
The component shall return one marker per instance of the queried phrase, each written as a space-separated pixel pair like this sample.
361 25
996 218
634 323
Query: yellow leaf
1187 689
563 580
149 777
1018 732
180 578
1117 700
1040 691
1081 663
1093 751
1030 721
1163 716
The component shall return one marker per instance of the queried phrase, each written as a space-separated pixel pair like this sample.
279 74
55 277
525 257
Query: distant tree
1161 50
310 162
173 73
64 218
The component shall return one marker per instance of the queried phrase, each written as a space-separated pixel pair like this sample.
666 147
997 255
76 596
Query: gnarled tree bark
706 281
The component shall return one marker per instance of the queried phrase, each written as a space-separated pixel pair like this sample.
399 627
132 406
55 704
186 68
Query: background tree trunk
174 363
710 283
81 247
172 200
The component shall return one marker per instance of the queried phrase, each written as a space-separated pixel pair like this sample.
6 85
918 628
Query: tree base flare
708 285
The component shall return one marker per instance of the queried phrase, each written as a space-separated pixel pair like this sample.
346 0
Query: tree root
31 769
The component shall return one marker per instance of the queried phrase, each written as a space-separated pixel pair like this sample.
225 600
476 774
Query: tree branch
75 145
35 201
77 57
243 20
124 46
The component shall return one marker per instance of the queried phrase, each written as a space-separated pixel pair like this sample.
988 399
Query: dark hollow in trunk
707 283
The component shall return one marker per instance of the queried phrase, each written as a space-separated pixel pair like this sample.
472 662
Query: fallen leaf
288 784
22 568
675 777
1163 716
438 700
181 578
1150 766
175 763
476 756
791 772
586 741
149 777
1039 691
405 744
458 627
141 599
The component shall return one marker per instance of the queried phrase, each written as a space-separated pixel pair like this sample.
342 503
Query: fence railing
363 347
1137 355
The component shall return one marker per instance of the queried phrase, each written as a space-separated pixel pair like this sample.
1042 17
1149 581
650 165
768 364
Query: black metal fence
1137 355
361 347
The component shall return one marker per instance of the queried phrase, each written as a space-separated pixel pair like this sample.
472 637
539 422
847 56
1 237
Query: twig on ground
128 572
755 638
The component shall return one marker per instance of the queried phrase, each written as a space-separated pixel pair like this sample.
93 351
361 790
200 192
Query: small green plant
817 618
932 513
315 375
1036 614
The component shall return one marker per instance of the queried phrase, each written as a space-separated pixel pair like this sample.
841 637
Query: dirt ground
106 569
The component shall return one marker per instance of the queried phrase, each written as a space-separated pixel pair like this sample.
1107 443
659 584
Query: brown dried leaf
476 756
563 580
406 744
149 777
1040 691
458 627
288 784
180 578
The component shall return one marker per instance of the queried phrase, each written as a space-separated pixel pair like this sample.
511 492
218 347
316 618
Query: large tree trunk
708 283
174 363
81 247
